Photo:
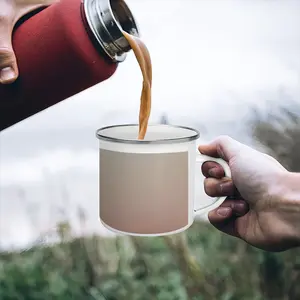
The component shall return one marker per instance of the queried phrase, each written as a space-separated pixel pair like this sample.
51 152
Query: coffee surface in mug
151 199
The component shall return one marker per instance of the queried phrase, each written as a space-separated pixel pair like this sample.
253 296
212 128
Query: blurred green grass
198 264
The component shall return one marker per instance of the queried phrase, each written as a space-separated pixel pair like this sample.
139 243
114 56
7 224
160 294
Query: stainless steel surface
107 19
189 138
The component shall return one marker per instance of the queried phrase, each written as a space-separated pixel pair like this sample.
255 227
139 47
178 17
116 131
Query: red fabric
56 60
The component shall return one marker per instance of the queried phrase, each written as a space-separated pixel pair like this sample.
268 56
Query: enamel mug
147 187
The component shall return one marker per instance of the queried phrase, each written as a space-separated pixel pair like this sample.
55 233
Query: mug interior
160 133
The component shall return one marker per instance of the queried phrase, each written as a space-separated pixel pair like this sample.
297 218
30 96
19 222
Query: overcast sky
210 60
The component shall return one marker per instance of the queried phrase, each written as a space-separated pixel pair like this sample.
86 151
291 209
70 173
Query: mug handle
201 159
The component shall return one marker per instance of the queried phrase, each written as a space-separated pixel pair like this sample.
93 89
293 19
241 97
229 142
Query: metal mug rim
193 137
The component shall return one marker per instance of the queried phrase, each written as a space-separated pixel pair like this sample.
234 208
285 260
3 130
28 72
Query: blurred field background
200 263
238 73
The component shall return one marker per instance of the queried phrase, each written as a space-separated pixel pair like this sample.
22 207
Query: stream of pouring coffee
143 57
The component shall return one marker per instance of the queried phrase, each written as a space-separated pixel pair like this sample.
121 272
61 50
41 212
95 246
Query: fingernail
226 188
240 208
212 172
7 74
224 211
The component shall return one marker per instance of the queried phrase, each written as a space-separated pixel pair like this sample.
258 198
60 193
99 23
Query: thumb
8 64
224 147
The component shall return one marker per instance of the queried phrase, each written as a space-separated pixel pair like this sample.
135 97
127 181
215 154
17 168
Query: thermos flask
62 50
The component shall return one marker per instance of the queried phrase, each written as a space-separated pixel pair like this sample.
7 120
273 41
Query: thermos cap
107 19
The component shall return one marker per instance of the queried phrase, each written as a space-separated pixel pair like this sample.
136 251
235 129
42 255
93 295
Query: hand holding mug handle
201 159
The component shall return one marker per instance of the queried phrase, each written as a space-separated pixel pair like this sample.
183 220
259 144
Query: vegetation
199 264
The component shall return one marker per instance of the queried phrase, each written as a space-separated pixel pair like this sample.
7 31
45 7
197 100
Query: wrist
288 196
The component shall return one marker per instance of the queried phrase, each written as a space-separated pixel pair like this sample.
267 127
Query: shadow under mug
147 187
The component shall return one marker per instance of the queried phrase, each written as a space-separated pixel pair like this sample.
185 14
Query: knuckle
4 18
224 138
5 52
7 56
6 60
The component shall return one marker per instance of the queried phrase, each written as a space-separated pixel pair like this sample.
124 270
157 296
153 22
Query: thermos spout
106 20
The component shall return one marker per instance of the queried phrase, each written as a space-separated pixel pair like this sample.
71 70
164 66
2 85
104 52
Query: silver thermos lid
107 19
